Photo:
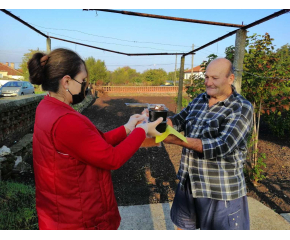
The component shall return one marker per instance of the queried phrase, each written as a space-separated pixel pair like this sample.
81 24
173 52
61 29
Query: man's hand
169 122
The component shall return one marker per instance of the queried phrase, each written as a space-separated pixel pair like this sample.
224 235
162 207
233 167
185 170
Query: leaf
273 109
286 107
268 112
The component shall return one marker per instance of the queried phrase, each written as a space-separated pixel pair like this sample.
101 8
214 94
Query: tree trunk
257 135
253 161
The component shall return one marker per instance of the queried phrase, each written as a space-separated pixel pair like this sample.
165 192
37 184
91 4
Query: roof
9 70
195 69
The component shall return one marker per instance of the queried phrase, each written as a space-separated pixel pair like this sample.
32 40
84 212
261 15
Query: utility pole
48 45
180 85
191 75
175 70
240 44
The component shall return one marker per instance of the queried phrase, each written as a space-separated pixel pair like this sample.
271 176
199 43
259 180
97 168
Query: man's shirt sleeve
232 134
178 120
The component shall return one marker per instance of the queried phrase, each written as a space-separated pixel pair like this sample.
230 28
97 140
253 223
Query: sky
132 34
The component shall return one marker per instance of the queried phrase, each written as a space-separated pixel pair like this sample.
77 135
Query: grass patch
40 92
17 207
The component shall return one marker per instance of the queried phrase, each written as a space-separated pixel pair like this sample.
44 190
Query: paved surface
157 217
286 216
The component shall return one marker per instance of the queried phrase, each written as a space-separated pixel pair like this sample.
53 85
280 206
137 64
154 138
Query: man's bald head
224 63
219 78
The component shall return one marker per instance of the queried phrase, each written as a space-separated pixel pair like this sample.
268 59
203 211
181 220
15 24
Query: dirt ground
150 175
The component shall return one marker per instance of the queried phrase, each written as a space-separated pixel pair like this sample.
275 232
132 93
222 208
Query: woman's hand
134 119
150 127
145 112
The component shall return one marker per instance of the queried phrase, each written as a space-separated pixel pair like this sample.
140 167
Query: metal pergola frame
240 29
276 14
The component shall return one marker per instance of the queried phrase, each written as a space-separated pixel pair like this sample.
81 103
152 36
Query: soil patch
150 175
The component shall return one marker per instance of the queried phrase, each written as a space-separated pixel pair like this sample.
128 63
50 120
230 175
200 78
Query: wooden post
239 58
180 85
48 45
175 70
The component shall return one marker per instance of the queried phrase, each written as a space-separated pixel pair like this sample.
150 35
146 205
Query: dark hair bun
36 71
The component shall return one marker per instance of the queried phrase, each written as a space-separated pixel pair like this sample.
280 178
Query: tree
198 87
125 76
97 71
284 53
155 77
230 53
173 76
120 77
263 70
26 57
204 64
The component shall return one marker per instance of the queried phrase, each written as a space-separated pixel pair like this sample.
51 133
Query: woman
72 159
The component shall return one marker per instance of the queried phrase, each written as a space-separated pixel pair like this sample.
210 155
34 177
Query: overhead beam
276 14
25 23
108 50
283 11
167 17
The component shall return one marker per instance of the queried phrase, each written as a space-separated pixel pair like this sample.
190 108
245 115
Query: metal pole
180 85
239 57
276 14
167 17
128 54
191 75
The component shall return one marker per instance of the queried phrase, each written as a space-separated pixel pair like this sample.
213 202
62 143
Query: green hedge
184 103
279 123
17 207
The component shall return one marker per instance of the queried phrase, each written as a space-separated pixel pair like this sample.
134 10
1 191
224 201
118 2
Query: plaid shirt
223 128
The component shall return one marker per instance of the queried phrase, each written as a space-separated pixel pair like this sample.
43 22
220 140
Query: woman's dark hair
60 62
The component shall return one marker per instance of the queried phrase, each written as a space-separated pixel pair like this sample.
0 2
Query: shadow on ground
149 176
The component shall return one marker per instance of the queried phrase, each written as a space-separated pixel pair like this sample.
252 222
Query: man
211 193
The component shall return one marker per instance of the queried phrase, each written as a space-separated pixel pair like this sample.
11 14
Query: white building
9 72
196 71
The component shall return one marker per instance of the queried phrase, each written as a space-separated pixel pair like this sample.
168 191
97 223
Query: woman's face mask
77 98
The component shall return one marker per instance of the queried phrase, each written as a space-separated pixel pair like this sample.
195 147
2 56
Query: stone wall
17 117
17 120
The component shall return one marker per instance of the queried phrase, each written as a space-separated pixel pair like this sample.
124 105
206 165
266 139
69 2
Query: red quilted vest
69 193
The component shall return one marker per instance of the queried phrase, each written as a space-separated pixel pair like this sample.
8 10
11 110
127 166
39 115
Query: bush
184 103
17 207
279 123
196 88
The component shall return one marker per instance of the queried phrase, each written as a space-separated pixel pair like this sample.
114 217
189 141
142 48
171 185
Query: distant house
196 71
9 72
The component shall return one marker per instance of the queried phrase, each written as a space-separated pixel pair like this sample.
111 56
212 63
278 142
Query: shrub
184 103
17 206
278 122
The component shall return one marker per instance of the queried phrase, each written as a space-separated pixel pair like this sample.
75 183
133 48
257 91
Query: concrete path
157 217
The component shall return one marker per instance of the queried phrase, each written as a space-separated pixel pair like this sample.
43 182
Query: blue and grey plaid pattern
216 173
